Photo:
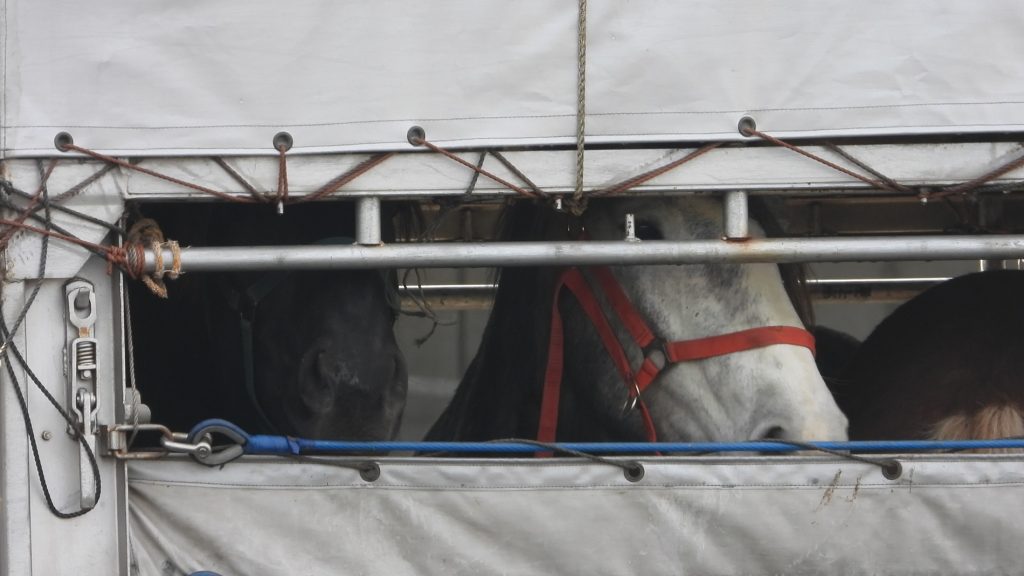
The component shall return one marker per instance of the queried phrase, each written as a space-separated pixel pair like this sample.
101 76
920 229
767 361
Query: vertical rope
578 203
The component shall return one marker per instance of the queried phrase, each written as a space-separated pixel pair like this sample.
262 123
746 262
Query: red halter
657 352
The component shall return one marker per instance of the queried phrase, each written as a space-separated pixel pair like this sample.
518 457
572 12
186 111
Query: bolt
47 435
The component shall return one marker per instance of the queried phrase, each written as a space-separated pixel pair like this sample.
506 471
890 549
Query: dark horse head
945 365
309 354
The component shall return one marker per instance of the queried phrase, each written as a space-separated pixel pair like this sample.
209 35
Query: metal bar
869 289
737 218
482 254
368 221
451 297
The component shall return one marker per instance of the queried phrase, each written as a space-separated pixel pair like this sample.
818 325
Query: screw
47 435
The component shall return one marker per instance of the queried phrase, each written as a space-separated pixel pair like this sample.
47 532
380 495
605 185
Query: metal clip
632 400
82 353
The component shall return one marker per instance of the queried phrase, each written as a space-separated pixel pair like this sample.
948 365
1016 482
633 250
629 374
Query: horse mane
794 275
988 422
515 335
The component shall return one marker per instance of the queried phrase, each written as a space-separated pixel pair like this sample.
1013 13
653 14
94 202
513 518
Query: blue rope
260 444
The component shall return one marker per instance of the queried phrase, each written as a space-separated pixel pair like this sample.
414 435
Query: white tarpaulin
799 515
152 77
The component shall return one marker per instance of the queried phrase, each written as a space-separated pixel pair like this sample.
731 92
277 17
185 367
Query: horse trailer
195 195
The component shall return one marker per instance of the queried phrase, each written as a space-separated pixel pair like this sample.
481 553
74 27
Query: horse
309 354
946 365
771 390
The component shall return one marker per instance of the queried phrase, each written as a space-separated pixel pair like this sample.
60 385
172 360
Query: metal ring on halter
632 400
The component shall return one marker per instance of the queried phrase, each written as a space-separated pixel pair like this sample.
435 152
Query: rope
253 192
515 170
11 189
74 190
863 166
146 232
44 176
155 174
769 138
357 171
651 174
268 445
478 170
972 185
282 177
883 182
7 347
579 204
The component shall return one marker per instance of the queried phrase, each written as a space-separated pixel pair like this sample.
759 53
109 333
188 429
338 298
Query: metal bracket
83 396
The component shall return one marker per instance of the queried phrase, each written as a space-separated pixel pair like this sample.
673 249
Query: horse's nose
333 369
769 432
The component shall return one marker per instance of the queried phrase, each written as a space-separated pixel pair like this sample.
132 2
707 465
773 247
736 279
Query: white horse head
770 392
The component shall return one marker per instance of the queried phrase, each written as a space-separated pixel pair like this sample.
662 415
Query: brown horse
947 365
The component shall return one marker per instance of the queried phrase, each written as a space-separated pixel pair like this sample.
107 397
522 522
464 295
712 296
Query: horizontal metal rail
453 297
475 255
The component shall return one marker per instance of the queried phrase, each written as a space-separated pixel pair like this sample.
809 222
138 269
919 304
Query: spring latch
82 374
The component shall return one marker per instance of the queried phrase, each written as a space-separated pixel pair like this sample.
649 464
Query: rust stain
826 498
856 489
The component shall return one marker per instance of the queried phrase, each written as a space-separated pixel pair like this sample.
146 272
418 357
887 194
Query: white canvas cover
796 515
195 78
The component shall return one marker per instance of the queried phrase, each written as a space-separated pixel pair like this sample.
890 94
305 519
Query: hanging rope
579 203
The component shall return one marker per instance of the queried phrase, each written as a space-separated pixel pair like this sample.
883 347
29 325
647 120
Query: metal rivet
47 435
283 141
892 470
634 472
747 126
63 141
416 136
370 472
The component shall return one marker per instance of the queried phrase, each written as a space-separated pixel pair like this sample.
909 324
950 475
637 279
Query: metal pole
481 254
368 221
736 215
481 296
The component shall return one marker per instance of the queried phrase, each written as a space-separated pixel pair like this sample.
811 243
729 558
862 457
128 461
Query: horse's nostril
772 433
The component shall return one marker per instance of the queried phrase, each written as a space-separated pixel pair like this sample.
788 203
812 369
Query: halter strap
657 353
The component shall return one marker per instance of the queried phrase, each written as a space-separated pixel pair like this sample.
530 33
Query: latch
82 374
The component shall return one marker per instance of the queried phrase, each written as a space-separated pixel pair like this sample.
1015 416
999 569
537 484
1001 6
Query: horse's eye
648 231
